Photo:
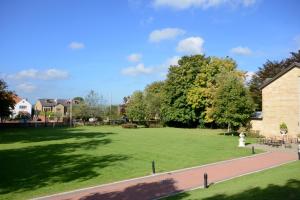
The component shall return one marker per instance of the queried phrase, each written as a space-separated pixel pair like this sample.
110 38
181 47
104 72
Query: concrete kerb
201 187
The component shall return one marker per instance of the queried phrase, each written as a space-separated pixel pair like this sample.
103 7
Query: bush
283 126
253 134
155 126
129 126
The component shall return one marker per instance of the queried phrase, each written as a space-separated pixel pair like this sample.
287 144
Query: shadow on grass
39 166
140 191
25 135
289 191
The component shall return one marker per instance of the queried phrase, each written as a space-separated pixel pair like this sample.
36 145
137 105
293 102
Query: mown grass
42 161
274 184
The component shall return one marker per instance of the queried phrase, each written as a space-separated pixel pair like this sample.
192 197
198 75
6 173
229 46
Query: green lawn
275 184
35 162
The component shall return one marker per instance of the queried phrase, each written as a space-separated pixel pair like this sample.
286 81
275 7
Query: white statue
242 140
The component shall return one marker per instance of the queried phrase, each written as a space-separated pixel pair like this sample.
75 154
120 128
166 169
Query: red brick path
160 185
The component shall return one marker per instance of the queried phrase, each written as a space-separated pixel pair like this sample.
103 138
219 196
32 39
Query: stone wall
280 103
256 125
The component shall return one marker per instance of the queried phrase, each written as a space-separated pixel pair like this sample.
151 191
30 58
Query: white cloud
191 45
26 87
165 34
76 45
137 70
49 74
24 74
244 51
160 69
172 61
185 4
249 76
54 74
135 57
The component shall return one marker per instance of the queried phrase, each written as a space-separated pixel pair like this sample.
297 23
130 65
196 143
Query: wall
38 106
256 125
280 103
17 108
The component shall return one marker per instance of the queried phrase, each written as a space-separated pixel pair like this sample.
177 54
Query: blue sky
64 48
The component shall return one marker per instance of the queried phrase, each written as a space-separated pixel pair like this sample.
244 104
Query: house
57 106
280 103
22 106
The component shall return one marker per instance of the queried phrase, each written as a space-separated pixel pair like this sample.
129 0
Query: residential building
22 106
280 103
57 106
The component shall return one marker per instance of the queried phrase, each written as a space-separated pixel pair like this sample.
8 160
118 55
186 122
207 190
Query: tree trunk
228 128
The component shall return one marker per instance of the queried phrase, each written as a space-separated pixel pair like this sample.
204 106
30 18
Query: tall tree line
187 98
266 72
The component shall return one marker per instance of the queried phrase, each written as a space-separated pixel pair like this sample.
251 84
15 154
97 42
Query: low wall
32 124
256 125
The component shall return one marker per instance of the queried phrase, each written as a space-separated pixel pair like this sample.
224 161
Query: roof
53 102
269 81
64 102
257 115
17 99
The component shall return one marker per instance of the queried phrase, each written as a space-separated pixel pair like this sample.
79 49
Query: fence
32 124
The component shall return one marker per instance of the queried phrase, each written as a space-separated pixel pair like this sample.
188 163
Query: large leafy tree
232 105
7 102
153 99
175 109
201 95
266 72
135 108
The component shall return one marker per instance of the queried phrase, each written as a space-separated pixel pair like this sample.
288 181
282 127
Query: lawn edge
228 179
153 175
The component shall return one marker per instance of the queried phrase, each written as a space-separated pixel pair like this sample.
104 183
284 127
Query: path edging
248 173
152 175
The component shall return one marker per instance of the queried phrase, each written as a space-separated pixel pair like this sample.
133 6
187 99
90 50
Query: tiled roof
53 102
17 99
268 81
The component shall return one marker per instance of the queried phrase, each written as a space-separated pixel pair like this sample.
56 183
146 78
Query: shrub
156 126
253 134
129 126
283 126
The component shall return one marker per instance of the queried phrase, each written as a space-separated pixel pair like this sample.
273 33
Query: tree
7 102
78 99
175 108
93 99
232 104
136 107
92 106
153 99
112 112
200 96
81 111
266 72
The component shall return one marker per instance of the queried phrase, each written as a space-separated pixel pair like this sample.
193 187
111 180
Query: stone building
280 103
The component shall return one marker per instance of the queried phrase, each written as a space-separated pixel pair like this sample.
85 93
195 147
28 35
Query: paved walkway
164 184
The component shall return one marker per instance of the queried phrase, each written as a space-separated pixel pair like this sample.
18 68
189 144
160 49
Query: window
22 107
47 109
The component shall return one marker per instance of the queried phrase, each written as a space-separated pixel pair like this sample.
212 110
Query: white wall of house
22 106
